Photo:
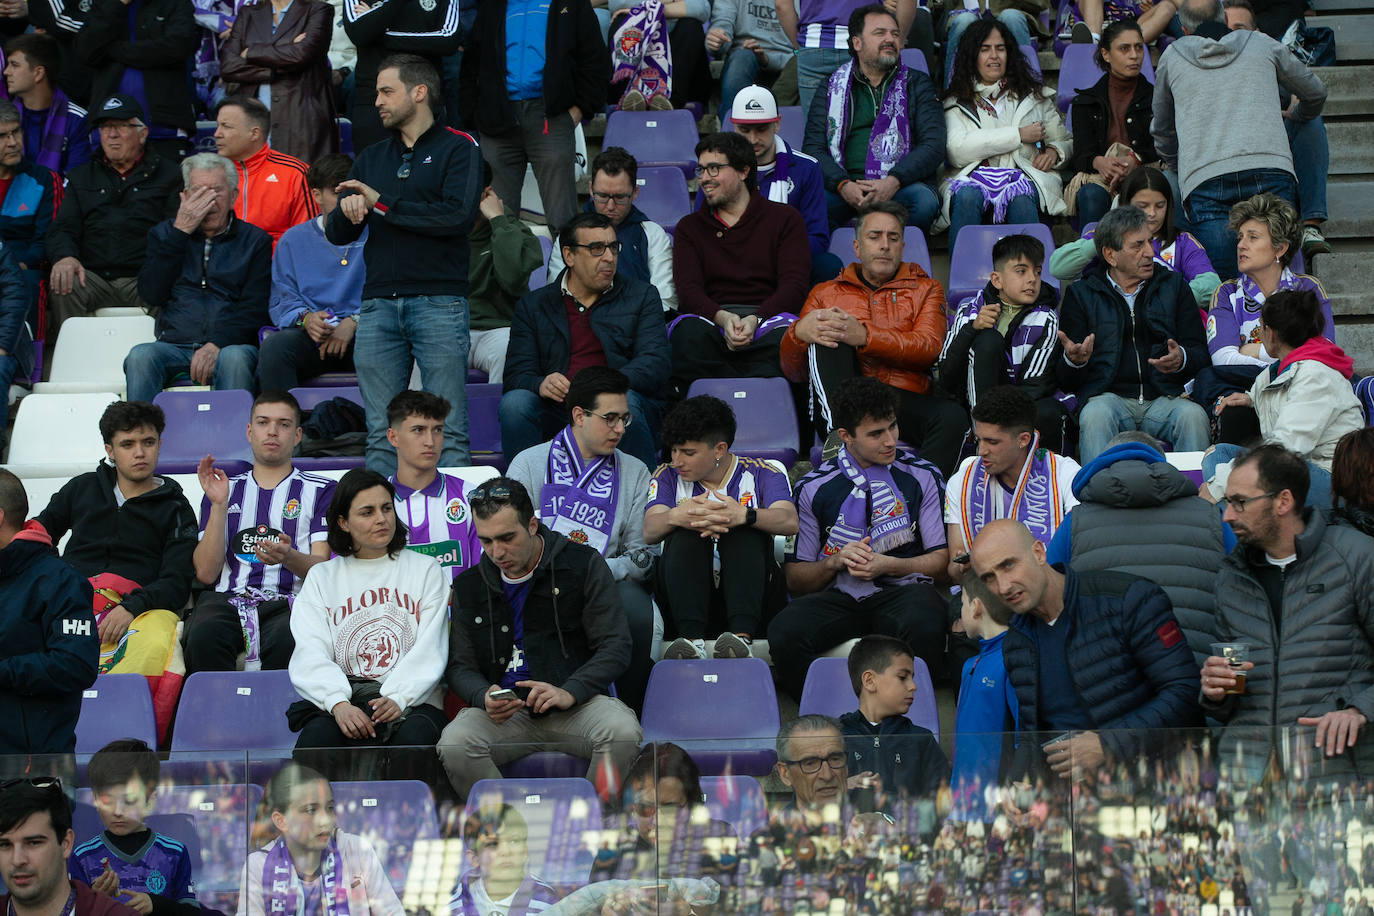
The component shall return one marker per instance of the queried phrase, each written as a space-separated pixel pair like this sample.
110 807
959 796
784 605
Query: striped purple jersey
824 23
439 523
296 507
162 866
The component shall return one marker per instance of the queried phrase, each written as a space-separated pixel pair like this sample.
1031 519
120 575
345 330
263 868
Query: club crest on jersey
292 509
456 511
578 537
746 499
155 882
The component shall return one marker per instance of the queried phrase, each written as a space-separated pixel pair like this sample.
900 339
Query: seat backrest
737 800
484 422
764 419
234 710
392 815
116 706
914 59
473 475
539 277
914 247
92 349
557 813
59 429
971 261
714 702
828 692
310 398
663 195
663 138
791 124
201 422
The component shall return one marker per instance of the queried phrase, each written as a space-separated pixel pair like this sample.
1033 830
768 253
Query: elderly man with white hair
208 275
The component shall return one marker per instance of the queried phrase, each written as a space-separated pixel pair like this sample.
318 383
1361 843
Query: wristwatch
751 515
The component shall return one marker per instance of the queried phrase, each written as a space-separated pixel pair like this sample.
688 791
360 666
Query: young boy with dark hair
985 718
1007 334
887 751
129 861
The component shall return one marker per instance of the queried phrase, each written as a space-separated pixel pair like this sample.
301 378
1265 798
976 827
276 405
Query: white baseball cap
753 105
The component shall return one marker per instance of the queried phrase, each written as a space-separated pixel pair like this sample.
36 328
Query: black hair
592 382
326 172
664 760
738 153
122 416
484 504
413 403
1016 247
253 110
859 18
117 762
1278 469
14 500
1020 79
1149 178
873 653
414 70
1294 316
22 800
41 51
1110 33
588 219
277 396
859 399
347 490
974 587
1006 407
699 419
614 160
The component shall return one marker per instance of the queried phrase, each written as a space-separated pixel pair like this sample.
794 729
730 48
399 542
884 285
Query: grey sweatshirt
626 553
741 19
1214 108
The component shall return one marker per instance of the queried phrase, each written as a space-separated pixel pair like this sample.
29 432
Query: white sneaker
729 645
683 648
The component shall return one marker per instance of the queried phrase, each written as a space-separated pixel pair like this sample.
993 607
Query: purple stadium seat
116 706
546 765
723 712
539 277
201 423
914 59
971 261
234 711
484 425
828 692
391 815
737 800
557 812
655 138
310 398
791 124
767 424
345 127
663 196
204 140
1031 52
1079 72
914 247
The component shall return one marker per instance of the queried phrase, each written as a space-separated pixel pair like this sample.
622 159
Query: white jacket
1306 409
974 138
369 890
385 619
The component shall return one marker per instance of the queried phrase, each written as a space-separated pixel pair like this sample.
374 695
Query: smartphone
504 693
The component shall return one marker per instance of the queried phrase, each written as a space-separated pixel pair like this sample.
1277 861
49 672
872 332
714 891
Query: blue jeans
1311 161
967 209
1209 205
814 66
742 69
920 201
1177 421
393 335
150 366
957 21
1319 478
1092 201
527 420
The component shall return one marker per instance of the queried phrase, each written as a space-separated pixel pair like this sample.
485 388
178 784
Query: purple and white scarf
998 187
281 887
1036 502
246 603
888 140
874 509
57 124
578 500
639 50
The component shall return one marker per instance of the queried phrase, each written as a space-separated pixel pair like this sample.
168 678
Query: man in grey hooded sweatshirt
1215 124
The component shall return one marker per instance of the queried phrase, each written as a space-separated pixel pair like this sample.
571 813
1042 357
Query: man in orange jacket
885 319
273 194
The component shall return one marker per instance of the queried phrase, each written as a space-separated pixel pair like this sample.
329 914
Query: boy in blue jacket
887 751
985 719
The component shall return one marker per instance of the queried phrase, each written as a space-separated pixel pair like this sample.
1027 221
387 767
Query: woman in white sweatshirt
371 631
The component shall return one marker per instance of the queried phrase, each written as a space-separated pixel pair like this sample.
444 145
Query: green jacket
502 253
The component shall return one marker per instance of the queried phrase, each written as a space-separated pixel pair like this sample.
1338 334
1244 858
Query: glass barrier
1166 823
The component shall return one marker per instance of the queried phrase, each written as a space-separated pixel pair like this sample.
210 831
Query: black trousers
639 612
213 637
290 357
932 422
409 750
699 351
749 580
814 624
987 357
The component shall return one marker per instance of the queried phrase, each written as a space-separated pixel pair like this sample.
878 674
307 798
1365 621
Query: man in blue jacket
1098 661
28 203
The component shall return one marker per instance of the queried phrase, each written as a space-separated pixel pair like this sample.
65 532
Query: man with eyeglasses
99 239
35 839
417 194
742 266
646 251
1299 592
584 487
589 315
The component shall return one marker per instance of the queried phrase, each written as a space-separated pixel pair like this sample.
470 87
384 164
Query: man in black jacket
127 521
417 194
1132 339
208 274
528 114
99 239
588 316
539 620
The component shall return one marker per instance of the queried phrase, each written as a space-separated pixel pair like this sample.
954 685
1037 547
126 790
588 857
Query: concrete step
1352 147
1344 275
1338 6
1350 204
1354 35
1348 90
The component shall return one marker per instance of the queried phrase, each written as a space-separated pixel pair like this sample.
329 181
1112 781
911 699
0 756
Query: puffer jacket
1130 666
905 319
1131 498
1312 657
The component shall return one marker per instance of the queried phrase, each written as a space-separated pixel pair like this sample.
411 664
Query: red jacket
272 192
905 319
88 903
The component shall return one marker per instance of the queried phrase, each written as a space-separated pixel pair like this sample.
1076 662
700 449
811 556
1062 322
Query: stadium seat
310 398
391 815
914 59
180 826
557 813
115 706
655 138
1031 52
1078 71
663 196
345 127
914 247
546 765
723 712
234 711
484 425
971 260
57 435
828 692
201 423
90 354
204 140
539 276
737 800
766 423
40 491
791 124
118 311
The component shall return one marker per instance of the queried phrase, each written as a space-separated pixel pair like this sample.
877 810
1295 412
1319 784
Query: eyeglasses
597 249
711 169
42 783
488 494
619 200
116 126
1240 502
615 419
404 171
809 765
